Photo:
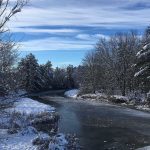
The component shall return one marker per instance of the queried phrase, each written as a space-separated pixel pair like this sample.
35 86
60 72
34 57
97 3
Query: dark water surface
104 126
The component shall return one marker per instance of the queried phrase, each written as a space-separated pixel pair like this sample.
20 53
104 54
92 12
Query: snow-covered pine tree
70 80
46 75
30 77
143 63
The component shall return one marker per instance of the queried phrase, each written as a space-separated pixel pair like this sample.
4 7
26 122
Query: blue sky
63 31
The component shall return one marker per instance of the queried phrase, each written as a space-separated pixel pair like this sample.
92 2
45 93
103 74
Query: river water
102 126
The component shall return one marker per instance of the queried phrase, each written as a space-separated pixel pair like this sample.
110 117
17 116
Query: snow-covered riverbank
111 99
29 125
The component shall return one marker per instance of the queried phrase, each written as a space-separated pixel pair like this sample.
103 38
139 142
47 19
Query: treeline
118 65
34 77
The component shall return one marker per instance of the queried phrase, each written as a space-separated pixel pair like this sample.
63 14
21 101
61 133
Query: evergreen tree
143 63
46 72
30 77
70 80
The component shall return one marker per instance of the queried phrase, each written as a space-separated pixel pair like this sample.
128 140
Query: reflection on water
102 127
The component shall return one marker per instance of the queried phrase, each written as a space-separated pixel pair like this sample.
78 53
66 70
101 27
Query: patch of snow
29 106
102 95
124 98
141 71
147 46
144 55
21 141
29 131
89 96
139 53
121 97
17 142
72 93
3 132
143 107
148 94
59 142
96 96
43 136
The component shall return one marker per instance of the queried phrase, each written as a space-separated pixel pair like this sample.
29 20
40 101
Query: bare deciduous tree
8 9
8 53
124 49
110 66
89 79
8 57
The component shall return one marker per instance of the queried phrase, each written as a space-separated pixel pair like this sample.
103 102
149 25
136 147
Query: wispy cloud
93 16
81 21
55 44
90 37
137 6
34 30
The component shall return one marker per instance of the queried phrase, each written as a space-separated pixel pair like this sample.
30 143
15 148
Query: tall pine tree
70 80
46 72
30 77
143 63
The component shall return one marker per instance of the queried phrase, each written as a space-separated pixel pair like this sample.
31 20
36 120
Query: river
102 126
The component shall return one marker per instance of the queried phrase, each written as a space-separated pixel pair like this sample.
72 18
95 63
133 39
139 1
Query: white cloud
83 36
101 36
55 44
91 37
85 3
92 16
34 30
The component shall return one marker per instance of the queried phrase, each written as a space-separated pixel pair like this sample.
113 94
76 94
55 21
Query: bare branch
8 12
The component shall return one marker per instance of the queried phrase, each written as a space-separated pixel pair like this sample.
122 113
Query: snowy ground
16 141
23 138
29 106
